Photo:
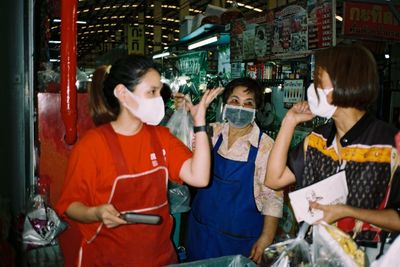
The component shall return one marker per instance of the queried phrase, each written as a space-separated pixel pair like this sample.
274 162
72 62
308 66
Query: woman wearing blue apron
236 213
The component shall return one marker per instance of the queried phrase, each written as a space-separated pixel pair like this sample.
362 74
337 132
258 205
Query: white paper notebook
332 190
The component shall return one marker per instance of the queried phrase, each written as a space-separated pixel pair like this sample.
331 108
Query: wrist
289 121
200 128
95 214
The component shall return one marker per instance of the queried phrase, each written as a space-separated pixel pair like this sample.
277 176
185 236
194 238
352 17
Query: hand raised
199 111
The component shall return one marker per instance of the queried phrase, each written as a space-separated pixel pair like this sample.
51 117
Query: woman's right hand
181 101
299 112
109 216
199 111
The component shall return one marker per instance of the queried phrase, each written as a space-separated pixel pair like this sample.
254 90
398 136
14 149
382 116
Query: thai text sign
371 21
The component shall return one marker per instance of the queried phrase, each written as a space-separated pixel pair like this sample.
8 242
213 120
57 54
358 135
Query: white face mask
238 117
320 107
149 110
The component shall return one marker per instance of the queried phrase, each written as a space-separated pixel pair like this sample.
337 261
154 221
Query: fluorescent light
161 55
78 21
54 42
267 90
54 60
339 18
203 42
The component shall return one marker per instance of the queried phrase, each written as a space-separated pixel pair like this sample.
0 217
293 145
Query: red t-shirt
91 171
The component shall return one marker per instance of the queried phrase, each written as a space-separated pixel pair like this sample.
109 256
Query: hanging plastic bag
333 247
41 225
181 125
292 252
178 198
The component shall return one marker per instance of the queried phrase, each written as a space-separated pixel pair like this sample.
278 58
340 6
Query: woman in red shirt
123 166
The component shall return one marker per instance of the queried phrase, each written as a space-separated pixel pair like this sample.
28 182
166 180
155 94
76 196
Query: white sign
330 191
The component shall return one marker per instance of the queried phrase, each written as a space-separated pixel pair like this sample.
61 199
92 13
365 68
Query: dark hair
353 72
166 93
252 86
128 71
96 93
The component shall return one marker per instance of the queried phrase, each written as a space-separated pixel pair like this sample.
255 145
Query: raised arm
196 170
278 175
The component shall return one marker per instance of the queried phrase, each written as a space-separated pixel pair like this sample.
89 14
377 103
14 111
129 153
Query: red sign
370 21
320 25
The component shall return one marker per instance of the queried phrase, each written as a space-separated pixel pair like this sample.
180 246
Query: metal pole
68 69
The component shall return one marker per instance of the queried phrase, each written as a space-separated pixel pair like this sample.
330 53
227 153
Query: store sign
236 42
248 42
321 27
370 21
290 30
135 39
193 65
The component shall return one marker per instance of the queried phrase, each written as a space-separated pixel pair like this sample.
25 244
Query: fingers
188 102
110 216
302 107
256 255
114 221
210 95
179 100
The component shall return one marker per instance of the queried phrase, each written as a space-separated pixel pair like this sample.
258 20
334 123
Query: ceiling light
161 55
387 56
54 42
203 42
339 18
78 21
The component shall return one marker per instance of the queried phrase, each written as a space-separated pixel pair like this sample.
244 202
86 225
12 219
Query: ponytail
98 108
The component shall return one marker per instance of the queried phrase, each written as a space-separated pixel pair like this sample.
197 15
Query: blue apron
224 219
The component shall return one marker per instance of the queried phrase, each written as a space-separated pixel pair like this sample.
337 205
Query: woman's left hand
258 248
332 213
199 111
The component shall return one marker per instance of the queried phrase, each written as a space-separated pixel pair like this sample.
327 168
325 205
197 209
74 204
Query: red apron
146 192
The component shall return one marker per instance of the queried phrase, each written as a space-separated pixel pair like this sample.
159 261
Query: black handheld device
133 217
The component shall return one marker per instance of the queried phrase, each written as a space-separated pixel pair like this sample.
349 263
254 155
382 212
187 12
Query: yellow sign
135 39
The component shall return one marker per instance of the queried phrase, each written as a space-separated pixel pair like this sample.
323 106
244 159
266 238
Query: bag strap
305 145
394 164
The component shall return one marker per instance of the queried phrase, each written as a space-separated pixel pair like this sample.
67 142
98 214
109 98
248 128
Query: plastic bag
391 257
226 261
178 198
333 247
41 225
181 125
292 252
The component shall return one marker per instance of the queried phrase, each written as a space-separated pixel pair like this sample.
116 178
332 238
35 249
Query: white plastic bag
391 257
41 226
292 252
334 248
181 125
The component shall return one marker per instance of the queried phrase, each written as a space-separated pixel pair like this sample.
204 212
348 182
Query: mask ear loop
224 113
